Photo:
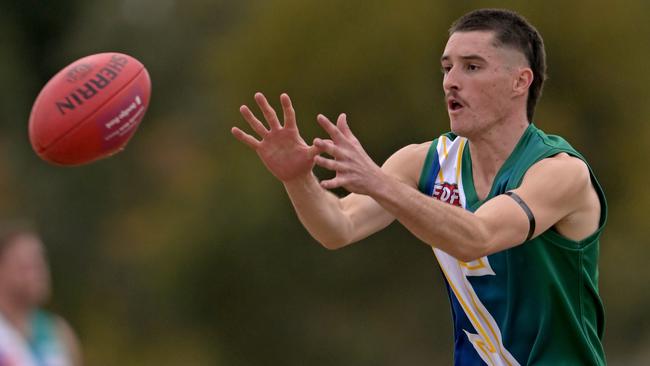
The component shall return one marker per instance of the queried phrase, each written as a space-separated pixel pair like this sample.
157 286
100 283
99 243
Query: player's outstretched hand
280 147
355 170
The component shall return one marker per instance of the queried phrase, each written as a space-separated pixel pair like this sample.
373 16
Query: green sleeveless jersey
534 304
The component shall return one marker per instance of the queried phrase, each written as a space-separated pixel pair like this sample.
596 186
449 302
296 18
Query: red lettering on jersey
447 192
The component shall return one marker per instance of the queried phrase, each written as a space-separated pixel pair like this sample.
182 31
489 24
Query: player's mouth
454 104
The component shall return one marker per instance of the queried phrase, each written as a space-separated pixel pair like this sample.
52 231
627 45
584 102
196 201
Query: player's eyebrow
471 57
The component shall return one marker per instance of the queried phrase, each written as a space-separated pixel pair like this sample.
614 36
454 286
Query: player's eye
473 67
445 69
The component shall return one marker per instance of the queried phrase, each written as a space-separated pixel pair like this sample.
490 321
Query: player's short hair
10 230
512 30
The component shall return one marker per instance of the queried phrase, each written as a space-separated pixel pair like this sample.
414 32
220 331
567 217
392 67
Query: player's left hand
355 170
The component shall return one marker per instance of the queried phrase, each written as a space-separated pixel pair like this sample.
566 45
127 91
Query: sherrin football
90 109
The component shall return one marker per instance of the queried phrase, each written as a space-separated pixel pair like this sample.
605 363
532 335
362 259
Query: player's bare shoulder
573 193
406 164
573 170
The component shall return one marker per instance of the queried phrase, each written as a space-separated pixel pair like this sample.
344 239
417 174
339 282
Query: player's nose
451 80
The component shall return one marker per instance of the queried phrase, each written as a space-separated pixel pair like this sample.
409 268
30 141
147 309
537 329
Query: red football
90 109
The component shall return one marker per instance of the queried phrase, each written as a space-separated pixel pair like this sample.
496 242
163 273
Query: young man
513 215
29 336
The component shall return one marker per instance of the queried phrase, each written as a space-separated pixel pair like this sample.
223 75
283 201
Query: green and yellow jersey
536 303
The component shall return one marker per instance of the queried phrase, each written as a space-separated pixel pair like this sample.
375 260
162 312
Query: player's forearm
319 211
456 231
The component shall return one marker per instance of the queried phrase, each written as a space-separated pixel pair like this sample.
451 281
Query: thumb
313 151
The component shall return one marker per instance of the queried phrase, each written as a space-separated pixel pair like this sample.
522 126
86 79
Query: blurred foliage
183 250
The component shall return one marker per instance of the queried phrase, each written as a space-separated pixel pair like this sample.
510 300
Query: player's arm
558 192
338 222
332 221
335 222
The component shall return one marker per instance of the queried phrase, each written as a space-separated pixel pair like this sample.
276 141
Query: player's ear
523 80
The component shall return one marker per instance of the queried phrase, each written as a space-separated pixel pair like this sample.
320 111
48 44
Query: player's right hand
281 148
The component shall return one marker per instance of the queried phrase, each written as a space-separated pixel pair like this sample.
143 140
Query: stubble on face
480 74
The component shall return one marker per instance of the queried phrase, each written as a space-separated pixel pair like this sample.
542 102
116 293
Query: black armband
529 213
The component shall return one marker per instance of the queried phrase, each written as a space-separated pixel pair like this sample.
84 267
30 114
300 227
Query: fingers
331 183
325 146
338 131
289 112
329 164
313 151
342 124
268 111
332 165
242 136
255 123
329 127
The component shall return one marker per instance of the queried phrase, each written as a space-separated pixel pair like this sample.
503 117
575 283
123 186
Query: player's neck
16 314
490 150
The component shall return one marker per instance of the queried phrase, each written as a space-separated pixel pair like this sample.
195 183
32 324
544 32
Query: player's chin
458 126
464 125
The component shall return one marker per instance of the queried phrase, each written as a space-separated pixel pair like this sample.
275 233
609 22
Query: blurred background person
30 335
